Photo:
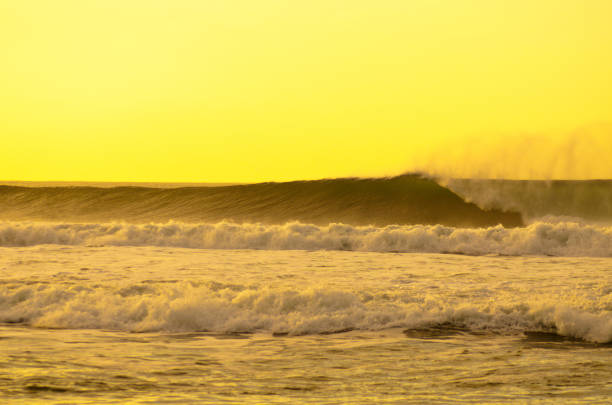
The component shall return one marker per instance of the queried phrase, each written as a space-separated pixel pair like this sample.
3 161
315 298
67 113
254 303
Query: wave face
408 199
552 239
590 200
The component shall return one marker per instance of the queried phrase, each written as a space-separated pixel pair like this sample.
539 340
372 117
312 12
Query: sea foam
213 307
540 238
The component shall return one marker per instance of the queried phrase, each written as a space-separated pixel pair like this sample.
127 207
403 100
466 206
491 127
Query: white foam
564 238
186 306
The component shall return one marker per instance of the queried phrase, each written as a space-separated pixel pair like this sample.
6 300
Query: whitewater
400 290
540 238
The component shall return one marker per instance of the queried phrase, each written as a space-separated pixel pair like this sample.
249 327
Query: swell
407 199
542 238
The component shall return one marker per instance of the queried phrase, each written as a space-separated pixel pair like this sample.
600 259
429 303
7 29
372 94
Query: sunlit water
173 325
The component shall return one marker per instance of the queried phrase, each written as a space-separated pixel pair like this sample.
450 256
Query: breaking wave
218 308
589 200
541 238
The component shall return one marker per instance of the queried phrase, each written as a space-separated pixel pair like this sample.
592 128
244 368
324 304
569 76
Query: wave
219 308
408 199
541 238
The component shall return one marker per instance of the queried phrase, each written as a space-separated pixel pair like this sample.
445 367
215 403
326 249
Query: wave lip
541 238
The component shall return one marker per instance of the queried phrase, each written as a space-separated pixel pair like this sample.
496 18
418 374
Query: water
155 324
362 291
353 367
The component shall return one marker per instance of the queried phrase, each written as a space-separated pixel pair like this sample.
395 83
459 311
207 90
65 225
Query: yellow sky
230 90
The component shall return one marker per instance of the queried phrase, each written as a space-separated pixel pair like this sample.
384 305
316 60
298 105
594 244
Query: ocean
389 290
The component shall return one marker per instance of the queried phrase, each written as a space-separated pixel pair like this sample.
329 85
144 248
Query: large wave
541 238
408 199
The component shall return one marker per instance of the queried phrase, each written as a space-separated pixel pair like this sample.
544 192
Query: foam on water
214 307
541 238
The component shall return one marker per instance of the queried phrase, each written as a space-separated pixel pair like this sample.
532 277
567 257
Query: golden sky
244 90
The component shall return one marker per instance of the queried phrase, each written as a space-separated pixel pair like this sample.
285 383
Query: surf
541 238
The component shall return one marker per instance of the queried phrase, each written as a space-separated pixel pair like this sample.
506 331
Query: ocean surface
397 290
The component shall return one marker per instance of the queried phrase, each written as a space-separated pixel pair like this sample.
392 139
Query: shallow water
352 367
114 324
